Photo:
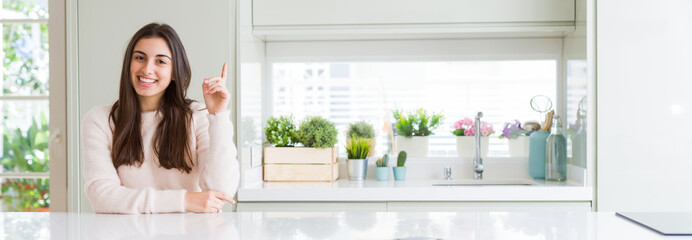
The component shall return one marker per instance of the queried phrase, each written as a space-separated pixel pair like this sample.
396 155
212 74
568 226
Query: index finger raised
223 71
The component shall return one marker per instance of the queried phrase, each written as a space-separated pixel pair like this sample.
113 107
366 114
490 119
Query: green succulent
361 129
418 123
359 148
280 131
317 132
401 159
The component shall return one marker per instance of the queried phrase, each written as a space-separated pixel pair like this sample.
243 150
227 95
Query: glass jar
556 153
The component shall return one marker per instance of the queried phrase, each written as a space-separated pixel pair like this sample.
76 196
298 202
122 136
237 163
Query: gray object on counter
666 223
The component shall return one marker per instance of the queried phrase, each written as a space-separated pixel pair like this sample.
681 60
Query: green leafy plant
361 129
401 159
418 123
280 131
383 162
26 152
317 132
359 148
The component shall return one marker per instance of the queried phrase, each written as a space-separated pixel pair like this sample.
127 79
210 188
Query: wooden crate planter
300 164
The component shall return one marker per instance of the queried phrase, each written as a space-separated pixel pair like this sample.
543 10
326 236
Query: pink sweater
151 188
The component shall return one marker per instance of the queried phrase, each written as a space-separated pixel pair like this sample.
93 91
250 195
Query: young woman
154 150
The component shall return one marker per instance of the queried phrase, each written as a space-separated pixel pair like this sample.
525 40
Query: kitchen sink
472 182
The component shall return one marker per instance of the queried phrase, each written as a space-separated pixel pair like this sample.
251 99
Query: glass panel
25 136
25 59
576 111
348 92
24 9
25 194
250 126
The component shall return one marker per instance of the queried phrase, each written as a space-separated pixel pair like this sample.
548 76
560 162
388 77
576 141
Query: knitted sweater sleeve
101 182
216 153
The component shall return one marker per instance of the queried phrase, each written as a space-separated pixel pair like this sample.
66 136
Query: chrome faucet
477 160
447 173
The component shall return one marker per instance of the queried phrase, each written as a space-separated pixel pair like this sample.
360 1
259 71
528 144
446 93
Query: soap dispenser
556 153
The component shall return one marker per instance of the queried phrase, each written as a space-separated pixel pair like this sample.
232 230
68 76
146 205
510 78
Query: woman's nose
148 67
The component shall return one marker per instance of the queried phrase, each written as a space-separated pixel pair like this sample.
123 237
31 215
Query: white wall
644 64
207 29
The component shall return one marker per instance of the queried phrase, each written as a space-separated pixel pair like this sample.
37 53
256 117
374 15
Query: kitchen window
348 81
24 106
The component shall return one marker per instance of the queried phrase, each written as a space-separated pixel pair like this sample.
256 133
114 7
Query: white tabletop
338 225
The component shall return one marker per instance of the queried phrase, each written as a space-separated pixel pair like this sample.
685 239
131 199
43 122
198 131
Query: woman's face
151 69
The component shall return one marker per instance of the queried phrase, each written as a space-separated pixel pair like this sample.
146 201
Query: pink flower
464 127
463 124
486 129
468 132
458 125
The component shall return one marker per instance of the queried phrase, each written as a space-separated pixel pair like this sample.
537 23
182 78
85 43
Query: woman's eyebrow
157 55
163 55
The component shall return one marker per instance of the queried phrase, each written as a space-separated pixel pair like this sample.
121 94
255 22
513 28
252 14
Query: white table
353 225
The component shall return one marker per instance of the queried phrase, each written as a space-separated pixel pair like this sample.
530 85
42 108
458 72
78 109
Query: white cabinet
359 12
277 19
466 206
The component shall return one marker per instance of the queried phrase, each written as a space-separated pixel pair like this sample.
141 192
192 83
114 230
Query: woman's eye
161 61
139 58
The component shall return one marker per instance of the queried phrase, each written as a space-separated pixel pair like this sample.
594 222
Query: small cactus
383 162
401 159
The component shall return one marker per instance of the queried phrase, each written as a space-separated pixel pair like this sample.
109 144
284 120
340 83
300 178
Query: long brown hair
171 142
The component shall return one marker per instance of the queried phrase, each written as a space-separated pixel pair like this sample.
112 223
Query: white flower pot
466 146
414 146
519 147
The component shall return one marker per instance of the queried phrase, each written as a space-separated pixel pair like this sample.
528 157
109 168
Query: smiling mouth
146 81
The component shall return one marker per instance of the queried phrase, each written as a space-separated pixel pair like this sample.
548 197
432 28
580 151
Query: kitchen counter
329 225
409 190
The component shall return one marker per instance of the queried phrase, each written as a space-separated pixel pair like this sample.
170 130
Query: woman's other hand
206 202
216 95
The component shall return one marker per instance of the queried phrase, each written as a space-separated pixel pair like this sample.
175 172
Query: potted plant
26 152
315 159
518 139
400 169
413 130
364 130
464 130
317 132
382 168
280 131
357 152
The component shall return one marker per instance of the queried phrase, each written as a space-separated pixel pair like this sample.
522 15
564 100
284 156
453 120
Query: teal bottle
537 142
556 153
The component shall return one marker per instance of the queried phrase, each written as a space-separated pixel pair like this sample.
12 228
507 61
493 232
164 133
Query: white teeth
146 80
